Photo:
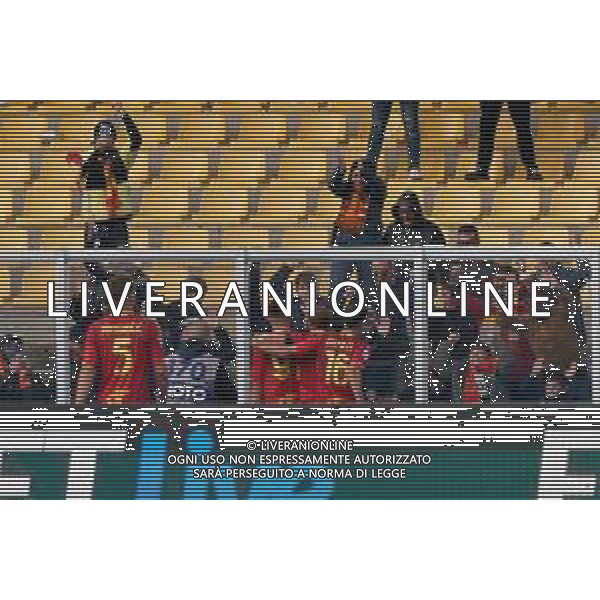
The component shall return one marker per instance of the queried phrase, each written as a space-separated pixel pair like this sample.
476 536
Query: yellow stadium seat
243 166
184 238
33 278
245 237
517 202
304 165
306 237
586 166
559 129
323 130
163 202
183 166
48 202
440 128
280 201
260 129
590 235
5 283
575 202
15 169
60 237
21 129
457 203
204 129
221 204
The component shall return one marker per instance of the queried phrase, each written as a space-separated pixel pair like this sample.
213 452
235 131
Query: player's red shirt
325 362
274 378
124 351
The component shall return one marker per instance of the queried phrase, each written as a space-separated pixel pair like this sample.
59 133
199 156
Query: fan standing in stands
359 220
520 112
381 111
104 183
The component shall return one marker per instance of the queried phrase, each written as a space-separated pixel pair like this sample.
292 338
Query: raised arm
134 134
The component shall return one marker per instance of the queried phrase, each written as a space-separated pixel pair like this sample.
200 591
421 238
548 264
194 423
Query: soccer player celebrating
274 377
123 356
325 363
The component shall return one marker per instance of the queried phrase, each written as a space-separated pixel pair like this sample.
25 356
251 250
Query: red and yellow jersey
328 364
353 214
126 352
274 378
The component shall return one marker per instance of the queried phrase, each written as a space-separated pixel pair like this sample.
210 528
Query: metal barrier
420 255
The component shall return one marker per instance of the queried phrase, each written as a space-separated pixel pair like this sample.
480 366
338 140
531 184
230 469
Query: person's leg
113 234
381 110
490 115
410 116
89 235
520 112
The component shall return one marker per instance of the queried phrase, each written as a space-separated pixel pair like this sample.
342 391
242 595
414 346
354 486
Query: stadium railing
421 256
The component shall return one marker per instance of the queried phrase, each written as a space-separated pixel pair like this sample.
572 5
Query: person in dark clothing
573 279
385 373
381 111
104 183
278 280
197 368
473 272
359 220
552 385
410 227
520 111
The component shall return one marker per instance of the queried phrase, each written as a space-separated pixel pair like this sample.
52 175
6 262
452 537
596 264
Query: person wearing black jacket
520 112
381 111
410 227
359 220
197 368
104 183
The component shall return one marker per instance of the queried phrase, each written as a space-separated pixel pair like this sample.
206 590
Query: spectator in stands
359 220
410 227
123 355
385 376
450 339
473 272
555 339
381 111
15 373
480 383
196 370
554 385
511 345
573 278
104 183
520 111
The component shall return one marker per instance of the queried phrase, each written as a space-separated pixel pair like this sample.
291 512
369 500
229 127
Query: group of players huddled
326 359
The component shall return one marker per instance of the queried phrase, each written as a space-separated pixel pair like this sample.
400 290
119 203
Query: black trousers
113 233
381 111
520 112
